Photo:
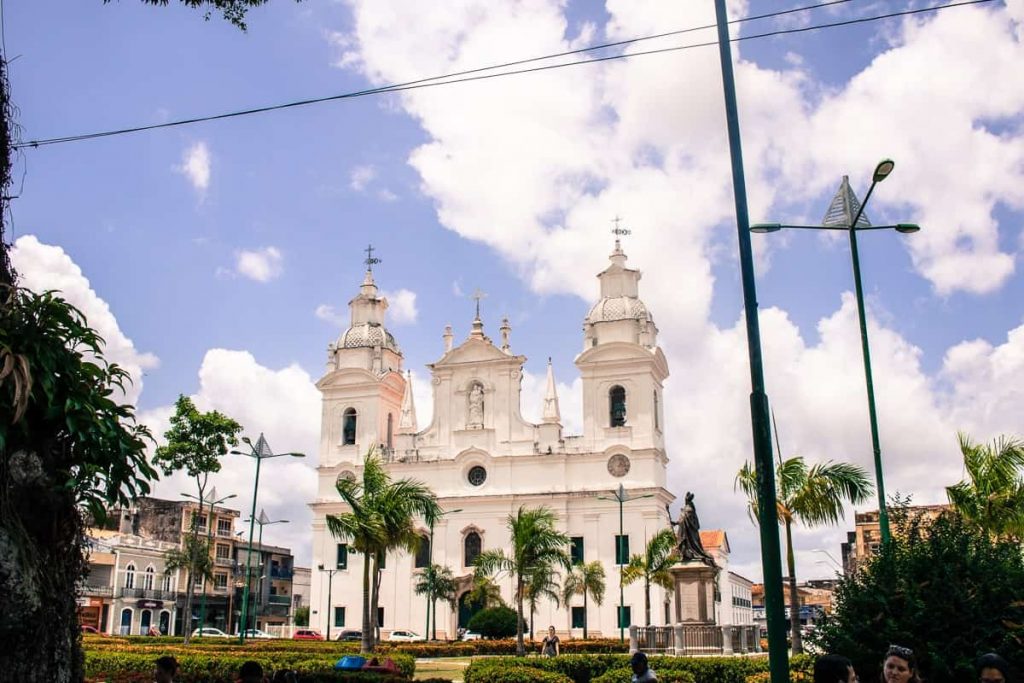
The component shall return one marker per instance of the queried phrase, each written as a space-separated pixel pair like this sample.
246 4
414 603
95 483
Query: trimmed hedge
587 668
626 676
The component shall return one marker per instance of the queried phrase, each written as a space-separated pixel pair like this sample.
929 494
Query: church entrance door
467 608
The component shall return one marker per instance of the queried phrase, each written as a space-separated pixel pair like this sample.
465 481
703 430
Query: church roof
367 335
618 308
712 538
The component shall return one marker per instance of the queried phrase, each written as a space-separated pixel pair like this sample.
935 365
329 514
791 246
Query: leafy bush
626 675
945 589
494 622
589 668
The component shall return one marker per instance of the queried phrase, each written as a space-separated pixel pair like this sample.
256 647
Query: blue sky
232 234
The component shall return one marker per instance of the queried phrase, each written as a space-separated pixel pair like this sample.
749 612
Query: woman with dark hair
900 666
993 669
834 669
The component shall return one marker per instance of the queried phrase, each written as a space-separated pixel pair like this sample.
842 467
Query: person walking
549 647
641 669
899 666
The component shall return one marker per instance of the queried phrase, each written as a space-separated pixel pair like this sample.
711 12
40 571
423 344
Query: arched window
471 546
126 622
145 622
391 429
348 427
147 582
423 552
167 583
657 418
617 406
129 576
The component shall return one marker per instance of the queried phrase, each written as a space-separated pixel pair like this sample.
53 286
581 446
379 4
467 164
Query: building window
625 617
380 617
342 561
220 581
617 406
201 523
391 429
339 617
167 582
579 617
471 546
147 582
223 551
622 549
348 427
477 475
423 552
657 418
129 576
576 549
223 527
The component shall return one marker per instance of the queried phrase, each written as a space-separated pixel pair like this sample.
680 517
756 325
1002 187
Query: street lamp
209 535
260 452
847 214
430 563
621 497
330 584
263 521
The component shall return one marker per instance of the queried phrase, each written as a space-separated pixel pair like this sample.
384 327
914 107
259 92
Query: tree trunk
794 596
532 639
433 612
647 599
186 618
520 647
367 644
375 601
585 614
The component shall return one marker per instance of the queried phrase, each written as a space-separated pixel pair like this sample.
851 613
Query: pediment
620 351
476 351
346 377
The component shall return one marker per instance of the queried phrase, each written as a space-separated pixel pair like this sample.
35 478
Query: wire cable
467 76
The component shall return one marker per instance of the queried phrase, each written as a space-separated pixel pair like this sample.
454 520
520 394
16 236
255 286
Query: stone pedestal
694 593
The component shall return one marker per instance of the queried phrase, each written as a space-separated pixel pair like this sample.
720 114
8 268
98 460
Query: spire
447 336
478 324
506 330
843 207
407 419
551 412
618 257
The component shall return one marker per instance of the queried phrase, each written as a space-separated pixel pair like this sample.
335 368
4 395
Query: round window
477 475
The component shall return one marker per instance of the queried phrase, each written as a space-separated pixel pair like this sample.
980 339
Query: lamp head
908 228
247 440
883 169
761 228
297 455
320 567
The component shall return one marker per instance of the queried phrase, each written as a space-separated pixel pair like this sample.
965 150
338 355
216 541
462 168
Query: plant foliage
992 494
494 622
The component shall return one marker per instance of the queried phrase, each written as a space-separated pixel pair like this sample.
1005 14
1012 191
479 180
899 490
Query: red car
306 634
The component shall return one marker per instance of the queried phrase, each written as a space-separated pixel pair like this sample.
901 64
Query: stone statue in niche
688 533
476 407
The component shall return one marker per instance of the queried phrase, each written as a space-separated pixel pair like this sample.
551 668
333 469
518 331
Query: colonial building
484 460
732 592
866 538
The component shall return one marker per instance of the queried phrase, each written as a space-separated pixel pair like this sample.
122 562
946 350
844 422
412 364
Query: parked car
404 636
307 634
209 632
256 633
349 635
470 635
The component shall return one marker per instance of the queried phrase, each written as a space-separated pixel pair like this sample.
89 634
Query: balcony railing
280 573
97 591
224 562
279 599
145 594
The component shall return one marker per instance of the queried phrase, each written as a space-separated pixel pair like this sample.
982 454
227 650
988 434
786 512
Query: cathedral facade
483 460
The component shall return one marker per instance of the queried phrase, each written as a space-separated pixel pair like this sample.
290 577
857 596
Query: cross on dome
370 261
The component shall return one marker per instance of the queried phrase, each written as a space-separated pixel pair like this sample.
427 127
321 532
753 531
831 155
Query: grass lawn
446 667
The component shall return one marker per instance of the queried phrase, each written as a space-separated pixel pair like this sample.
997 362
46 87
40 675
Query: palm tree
485 592
541 582
194 558
992 495
813 495
586 580
380 518
653 566
437 583
535 543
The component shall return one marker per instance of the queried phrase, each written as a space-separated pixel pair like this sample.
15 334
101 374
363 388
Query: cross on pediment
478 296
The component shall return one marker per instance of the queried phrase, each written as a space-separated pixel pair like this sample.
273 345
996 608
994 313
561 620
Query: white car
404 636
209 632
470 635
256 633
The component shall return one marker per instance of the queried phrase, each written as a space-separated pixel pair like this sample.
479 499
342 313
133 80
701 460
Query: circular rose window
477 475
346 475
618 465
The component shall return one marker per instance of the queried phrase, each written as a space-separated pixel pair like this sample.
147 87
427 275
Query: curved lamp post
620 496
847 214
330 584
263 521
212 497
259 452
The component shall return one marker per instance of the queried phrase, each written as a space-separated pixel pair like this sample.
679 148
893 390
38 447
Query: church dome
612 308
367 335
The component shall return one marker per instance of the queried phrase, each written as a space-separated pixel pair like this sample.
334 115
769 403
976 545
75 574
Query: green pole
771 559
430 564
618 558
209 537
883 514
248 559
262 565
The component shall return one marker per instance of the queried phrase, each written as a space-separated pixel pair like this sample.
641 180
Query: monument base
694 592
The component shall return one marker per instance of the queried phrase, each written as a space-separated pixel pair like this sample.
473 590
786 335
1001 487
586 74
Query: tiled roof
712 538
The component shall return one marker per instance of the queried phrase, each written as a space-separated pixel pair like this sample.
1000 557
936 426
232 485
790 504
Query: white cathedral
484 461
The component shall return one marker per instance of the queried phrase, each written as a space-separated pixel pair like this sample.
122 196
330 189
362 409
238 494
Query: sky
217 258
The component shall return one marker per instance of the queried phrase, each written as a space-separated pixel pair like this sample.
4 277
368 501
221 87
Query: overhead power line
477 74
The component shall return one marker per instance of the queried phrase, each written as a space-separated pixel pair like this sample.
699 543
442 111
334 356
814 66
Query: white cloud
580 145
401 306
44 267
361 176
282 404
329 314
195 165
386 195
262 265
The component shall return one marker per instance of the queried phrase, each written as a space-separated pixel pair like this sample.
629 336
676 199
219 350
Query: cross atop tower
478 295
370 260
619 231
